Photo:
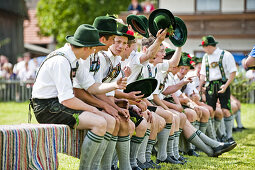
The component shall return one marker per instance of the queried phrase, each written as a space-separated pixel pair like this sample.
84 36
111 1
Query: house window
207 5
250 5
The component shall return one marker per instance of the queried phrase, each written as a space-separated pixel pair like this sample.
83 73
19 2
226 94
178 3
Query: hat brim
152 16
146 86
138 25
73 41
208 44
180 33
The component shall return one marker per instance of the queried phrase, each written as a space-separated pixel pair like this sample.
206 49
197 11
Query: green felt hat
85 36
106 25
197 59
180 33
139 24
123 29
161 19
169 53
186 60
146 86
208 40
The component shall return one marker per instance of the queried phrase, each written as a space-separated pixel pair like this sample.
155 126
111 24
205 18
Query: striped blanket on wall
35 146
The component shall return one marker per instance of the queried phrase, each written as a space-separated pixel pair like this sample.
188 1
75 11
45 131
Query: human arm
77 104
153 49
102 88
225 86
158 101
250 61
201 82
110 101
173 88
130 96
174 61
92 100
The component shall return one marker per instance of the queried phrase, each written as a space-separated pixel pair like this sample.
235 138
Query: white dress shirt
228 63
53 79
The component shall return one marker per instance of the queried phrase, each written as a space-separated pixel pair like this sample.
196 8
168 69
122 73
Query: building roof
31 30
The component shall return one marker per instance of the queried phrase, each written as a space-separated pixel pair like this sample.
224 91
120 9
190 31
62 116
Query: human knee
100 125
142 126
111 122
205 114
161 123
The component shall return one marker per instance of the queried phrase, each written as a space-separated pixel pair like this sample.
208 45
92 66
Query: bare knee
141 128
161 123
111 122
131 127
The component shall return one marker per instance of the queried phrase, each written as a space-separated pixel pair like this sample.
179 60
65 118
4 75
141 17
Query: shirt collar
69 54
216 51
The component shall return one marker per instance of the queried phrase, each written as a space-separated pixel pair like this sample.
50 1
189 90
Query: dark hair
130 42
75 46
147 42
169 56
107 36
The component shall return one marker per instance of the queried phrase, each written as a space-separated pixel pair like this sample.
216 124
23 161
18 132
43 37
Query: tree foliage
59 18
241 88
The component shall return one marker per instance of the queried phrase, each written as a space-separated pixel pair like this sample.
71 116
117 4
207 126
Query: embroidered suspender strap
140 75
111 66
55 54
94 63
113 71
149 70
223 75
162 85
72 74
206 70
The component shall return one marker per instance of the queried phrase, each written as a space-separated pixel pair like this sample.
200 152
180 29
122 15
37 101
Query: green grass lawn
242 157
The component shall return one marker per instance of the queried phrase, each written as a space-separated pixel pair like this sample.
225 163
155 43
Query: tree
59 18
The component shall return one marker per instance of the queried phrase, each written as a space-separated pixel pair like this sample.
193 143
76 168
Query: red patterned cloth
35 146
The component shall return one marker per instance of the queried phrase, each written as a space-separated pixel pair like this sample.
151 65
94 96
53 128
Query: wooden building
12 15
231 22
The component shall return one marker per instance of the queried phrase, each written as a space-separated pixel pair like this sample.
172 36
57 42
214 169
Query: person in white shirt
194 136
218 70
53 100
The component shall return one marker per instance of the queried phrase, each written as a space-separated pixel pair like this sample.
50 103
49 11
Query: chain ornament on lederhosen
113 72
94 63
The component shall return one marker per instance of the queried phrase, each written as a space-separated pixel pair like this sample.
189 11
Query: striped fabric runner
35 146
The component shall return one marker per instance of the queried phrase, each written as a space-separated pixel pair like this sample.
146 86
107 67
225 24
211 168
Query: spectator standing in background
135 7
18 65
148 6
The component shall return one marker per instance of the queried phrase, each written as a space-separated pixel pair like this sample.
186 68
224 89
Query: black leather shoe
223 148
192 153
154 165
136 168
236 130
175 159
143 165
114 168
169 160
242 128
182 159
230 140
